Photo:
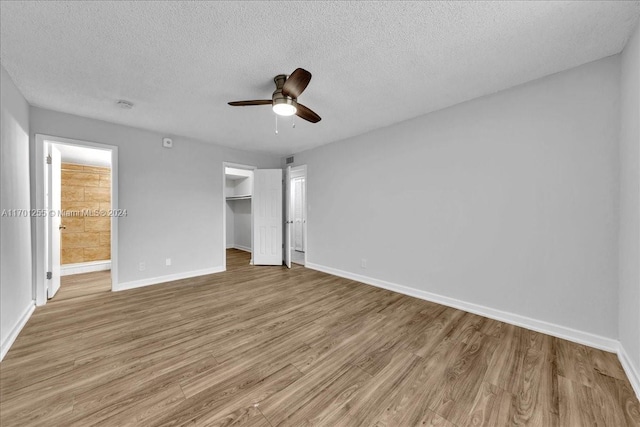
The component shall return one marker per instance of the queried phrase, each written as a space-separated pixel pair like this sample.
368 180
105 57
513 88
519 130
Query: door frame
226 165
301 172
41 227
53 263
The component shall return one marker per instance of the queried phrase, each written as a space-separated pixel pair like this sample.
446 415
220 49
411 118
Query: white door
288 217
267 217
55 226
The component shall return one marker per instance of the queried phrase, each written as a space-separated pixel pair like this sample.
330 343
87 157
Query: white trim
8 342
555 330
629 369
84 267
163 279
40 249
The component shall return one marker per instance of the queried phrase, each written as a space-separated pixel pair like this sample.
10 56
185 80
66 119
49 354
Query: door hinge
49 159
49 275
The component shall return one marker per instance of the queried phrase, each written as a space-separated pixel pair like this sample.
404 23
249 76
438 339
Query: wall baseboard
242 248
163 279
630 370
84 267
559 331
8 342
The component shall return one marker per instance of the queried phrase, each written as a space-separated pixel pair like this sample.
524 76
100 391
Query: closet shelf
244 197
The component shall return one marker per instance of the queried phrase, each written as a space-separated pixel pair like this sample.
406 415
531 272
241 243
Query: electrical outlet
168 262
363 263
142 266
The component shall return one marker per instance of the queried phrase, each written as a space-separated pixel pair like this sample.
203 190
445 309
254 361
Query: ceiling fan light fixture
284 107
284 100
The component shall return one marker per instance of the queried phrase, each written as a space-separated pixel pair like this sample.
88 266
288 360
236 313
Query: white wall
630 204
508 201
174 197
16 286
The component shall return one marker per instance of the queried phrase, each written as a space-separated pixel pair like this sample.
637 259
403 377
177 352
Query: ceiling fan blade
307 114
296 83
254 102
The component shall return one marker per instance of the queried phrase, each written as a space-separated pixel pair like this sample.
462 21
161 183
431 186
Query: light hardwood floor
266 346
82 285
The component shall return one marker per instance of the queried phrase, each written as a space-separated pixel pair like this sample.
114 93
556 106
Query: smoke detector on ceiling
125 104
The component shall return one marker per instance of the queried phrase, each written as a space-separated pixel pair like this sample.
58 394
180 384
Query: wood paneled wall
87 237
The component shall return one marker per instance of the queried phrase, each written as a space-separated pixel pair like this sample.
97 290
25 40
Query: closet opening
238 194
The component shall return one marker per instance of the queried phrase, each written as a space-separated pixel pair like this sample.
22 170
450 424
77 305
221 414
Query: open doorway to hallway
76 240
85 240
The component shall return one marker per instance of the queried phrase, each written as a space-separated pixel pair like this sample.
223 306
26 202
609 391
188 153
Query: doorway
77 238
252 204
85 226
238 209
297 214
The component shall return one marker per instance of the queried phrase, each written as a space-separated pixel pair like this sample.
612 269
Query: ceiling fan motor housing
278 98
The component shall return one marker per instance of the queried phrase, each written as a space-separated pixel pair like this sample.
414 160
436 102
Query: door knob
62 227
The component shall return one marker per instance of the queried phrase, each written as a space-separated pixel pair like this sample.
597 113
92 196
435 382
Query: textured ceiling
373 64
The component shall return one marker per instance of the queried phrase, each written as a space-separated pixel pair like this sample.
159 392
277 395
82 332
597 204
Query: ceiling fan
284 100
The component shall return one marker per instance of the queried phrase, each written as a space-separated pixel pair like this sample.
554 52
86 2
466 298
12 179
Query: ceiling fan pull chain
276 123
293 121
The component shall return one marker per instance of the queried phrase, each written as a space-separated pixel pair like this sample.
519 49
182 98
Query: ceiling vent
126 105
289 160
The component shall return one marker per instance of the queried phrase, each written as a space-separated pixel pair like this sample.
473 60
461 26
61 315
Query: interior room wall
16 285
86 237
630 205
173 197
507 203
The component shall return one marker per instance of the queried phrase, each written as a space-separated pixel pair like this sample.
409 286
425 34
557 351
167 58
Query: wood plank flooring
85 284
267 346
